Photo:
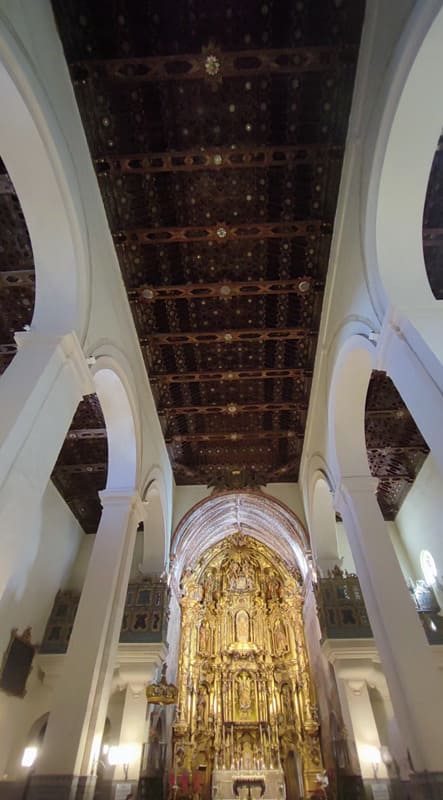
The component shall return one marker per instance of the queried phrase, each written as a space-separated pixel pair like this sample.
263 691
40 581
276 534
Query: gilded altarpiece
246 713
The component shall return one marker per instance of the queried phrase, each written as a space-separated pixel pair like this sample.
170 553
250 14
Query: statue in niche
204 638
286 703
190 587
201 705
247 755
242 626
209 586
273 588
241 577
280 638
244 692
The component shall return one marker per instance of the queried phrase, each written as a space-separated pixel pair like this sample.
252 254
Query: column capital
68 348
352 484
122 497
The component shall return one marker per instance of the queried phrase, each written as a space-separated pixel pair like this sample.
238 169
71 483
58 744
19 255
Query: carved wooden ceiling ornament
217 132
396 448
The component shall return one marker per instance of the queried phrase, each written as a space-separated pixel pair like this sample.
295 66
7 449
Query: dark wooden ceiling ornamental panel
217 131
433 225
396 448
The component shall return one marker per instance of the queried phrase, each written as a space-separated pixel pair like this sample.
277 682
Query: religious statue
204 638
244 692
201 705
280 638
242 626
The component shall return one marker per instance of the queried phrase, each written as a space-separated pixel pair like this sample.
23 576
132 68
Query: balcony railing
144 619
341 609
342 612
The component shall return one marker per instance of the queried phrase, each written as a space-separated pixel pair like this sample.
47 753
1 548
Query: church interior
221 438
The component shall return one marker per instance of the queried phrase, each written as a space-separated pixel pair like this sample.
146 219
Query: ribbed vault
254 513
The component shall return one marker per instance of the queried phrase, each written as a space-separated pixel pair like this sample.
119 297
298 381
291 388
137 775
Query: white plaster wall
408 569
344 550
185 497
76 577
420 518
290 495
29 602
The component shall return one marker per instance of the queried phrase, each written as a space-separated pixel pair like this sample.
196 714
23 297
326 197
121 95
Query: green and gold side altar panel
246 703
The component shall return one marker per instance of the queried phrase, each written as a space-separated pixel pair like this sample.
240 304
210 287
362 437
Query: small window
428 567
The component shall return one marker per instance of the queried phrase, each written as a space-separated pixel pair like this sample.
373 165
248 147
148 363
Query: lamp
122 755
29 756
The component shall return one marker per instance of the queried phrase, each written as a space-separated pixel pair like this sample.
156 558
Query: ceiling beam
215 158
222 233
222 289
8 350
432 237
229 375
213 65
80 469
382 412
248 335
6 185
77 434
17 278
232 409
232 437
398 449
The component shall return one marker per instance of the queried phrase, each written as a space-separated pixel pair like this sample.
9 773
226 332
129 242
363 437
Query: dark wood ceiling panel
396 448
217 132
433 225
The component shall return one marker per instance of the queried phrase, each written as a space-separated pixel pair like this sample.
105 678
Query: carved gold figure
246 702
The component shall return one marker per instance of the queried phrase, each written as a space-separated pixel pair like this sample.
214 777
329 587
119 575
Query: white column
137 666
419 392
411 674
76 722
364 728
39 393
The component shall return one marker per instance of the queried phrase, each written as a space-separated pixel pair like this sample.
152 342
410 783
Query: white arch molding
401 144
123 456
322 527
39 164
346 408
258 515
156 530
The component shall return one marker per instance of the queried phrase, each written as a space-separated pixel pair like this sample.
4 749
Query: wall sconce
29 756
123 755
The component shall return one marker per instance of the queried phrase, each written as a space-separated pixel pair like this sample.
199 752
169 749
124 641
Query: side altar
246 720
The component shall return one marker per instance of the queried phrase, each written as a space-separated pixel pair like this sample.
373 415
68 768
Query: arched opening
323 526
220 515
118 415
346 413
35 156
17 274
405 136
155 538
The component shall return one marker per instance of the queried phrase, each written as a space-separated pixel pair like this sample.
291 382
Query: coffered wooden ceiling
217 131
396 448
219 170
